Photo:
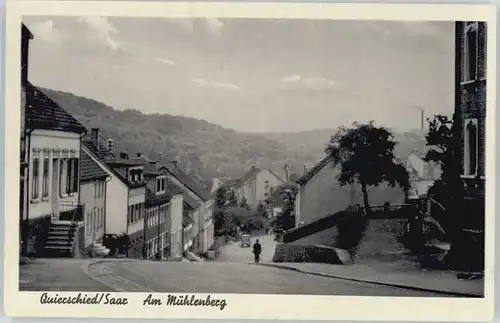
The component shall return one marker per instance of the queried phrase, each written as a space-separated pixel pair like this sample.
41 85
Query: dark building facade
470 121
471 104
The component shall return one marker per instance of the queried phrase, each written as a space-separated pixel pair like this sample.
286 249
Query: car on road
245 240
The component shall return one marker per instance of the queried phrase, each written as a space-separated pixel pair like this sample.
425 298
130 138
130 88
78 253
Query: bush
351 231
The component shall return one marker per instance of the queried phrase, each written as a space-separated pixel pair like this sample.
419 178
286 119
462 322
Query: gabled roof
89 169
149 165
188 181
314 170
117 167
43 113
253 171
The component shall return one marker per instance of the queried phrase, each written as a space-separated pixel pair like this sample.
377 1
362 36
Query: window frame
35 178
466 152
469 28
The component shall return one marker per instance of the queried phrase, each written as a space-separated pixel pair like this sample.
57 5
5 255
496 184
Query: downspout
27 154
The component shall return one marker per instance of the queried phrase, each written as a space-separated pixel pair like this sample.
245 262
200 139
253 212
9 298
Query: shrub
351 231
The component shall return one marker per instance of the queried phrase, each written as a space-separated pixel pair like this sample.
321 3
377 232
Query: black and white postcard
250 160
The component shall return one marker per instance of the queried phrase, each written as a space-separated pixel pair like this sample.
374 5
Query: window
471 51
45 178
470 147
35 181
69 170
75 174
130 214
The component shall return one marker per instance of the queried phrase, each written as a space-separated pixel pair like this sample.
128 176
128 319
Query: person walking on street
257 249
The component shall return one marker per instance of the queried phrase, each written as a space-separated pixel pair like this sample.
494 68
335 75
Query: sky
251 75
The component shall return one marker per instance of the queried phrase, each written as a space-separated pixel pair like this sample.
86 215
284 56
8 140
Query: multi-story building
93 183
125 196
470 119
53 153
197 209
470 110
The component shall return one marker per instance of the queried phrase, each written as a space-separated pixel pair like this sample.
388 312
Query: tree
443 142
219 210
232 199
365 154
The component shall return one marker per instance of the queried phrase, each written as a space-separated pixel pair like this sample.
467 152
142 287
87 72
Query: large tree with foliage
442 140
365 154
219 209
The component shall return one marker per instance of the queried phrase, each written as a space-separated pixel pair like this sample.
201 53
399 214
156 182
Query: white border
240 305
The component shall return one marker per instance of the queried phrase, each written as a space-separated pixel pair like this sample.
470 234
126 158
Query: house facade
321 194
157 219
132 174
256 185
53 153
471 104
197 209
93 185
470 115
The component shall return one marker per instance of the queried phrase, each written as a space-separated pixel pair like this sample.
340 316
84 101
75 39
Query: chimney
160 157
94 135
124 155
139 155
174 162
305 169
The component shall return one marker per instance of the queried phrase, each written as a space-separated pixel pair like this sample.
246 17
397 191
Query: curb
113 281
401 286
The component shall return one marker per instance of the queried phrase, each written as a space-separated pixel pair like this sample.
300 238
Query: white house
52 143
256 185
320 194
125 194
93 183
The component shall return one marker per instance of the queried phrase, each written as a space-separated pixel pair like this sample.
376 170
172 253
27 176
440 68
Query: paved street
233 252
57 275
223 277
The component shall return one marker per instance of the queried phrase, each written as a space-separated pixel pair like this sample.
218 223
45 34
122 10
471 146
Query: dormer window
136 175
161 184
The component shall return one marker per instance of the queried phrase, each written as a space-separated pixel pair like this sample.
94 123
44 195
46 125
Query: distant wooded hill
203 149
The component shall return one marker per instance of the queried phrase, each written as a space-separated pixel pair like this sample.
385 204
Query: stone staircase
61 239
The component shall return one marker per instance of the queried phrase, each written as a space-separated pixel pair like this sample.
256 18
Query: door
54 196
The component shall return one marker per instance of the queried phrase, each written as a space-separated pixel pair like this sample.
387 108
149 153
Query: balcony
73 212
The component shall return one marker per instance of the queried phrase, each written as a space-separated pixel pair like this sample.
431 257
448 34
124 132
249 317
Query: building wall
116 201
255 190
472 94
323 195
93 197
154 227
51 144
207 234
136 198
175 214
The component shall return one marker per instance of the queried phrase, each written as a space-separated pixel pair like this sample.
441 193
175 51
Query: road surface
226 277
233 252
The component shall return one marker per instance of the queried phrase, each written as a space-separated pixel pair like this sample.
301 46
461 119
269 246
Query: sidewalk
61 274
392 274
